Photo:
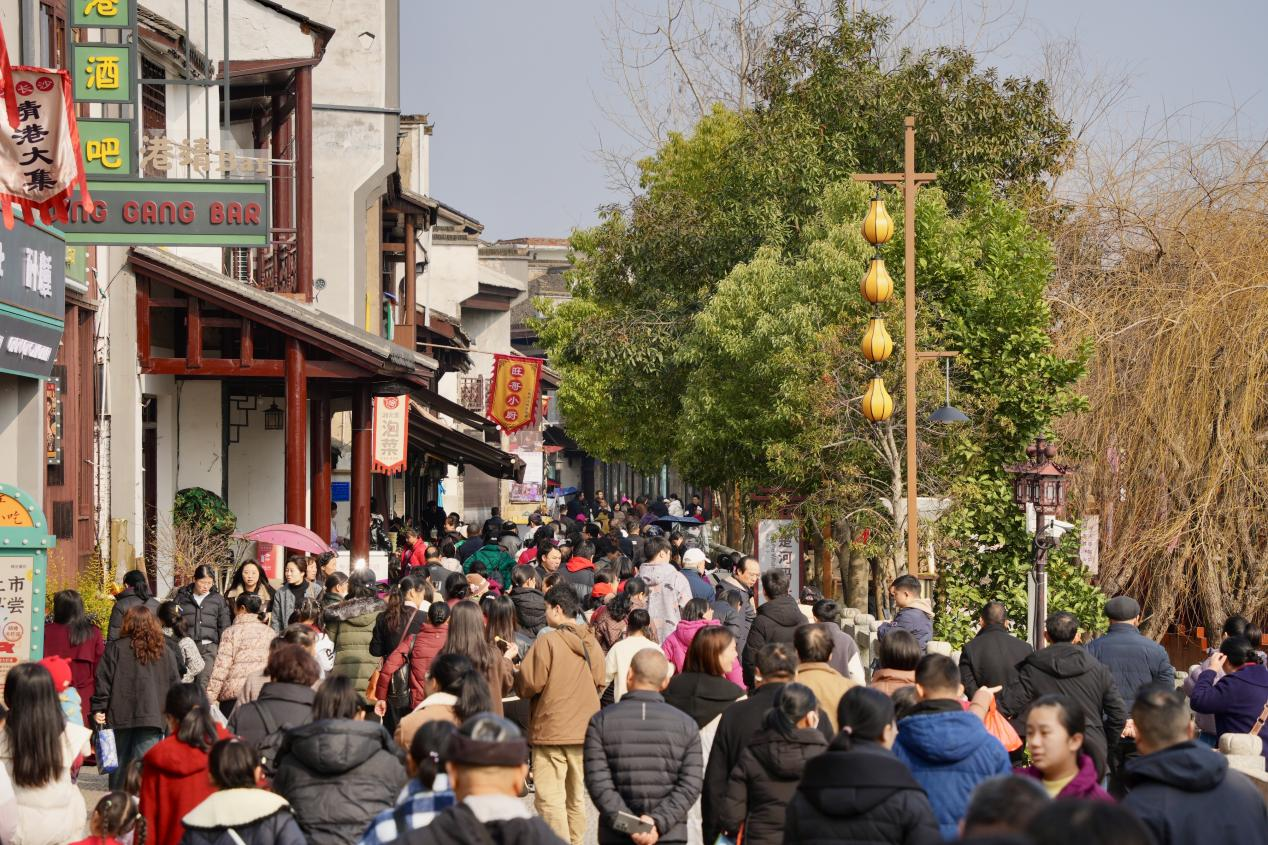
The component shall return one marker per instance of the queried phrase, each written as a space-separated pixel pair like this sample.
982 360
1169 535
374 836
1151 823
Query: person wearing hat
67 695
487 764
1134 660
693 562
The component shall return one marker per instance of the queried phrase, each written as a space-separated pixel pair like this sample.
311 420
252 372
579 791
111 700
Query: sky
516 90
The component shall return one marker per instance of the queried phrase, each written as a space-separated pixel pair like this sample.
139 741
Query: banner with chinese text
391 433
513 391
40 162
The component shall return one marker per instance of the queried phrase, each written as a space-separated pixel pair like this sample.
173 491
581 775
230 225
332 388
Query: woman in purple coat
1054 737
1238 699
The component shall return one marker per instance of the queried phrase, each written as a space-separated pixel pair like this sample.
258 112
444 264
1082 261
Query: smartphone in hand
629 823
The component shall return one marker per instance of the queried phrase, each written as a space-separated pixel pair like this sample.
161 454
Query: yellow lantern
877 286
878 226
877 345
877 404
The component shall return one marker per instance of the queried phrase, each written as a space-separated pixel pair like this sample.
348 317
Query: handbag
372 685
398 696
103 743
1000 728
1259 723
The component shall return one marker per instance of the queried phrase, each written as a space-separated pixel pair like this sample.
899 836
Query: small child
115 821
72 704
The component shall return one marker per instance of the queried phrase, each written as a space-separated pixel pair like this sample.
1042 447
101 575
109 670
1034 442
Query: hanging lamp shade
878 226
877 287
877 345
877 404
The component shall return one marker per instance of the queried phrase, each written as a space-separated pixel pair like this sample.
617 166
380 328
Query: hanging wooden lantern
877 345
878 226
877 287
877 404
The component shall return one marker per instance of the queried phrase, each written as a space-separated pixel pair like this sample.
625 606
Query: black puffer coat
130 693
763 783
643 756
206 621
530 609
775 623
859 794
337 775
990 659
125 601
458 825
286 705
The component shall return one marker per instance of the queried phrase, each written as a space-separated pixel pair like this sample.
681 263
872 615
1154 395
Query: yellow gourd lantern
877 345
878 226
877 404
877 287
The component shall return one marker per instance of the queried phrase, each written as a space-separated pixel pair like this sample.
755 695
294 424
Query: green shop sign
109 146
173 212
111 14
103 73
24 545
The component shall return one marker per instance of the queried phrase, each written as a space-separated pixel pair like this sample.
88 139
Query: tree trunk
855 572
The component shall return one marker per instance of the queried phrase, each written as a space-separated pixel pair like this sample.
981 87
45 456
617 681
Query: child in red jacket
115 821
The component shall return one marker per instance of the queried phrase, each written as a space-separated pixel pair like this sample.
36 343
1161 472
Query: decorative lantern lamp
877 287
877 403
877 345
1040 482
878 226
273 417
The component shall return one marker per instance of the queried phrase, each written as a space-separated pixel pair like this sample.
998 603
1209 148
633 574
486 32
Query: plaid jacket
415 808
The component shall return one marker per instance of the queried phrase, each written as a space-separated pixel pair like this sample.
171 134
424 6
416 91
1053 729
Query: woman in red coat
174 777
74 636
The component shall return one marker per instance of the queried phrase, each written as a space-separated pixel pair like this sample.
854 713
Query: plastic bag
107 753
1000 728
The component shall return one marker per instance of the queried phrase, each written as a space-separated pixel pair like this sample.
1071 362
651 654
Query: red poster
391 433
513 391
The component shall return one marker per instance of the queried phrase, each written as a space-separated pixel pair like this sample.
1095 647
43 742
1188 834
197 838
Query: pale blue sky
514 89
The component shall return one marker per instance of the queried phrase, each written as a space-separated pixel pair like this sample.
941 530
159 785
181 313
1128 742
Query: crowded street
559 423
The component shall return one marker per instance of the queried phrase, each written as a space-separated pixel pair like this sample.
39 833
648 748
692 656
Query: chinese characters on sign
104 73
391 433
40 165
115 14
16 582
161 153
513 391
779 547
53 421
108 147
32 299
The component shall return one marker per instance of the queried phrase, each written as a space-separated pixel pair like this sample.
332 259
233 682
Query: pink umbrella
295 537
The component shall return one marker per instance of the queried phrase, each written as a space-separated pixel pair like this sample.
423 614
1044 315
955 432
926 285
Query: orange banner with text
513 391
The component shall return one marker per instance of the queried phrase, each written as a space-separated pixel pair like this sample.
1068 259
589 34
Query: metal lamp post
1040 482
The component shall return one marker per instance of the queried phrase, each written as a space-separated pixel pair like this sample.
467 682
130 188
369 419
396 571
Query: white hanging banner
391 433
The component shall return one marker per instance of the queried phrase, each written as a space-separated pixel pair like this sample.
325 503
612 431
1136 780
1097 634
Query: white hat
694 556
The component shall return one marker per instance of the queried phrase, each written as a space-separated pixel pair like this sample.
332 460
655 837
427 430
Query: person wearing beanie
487 765
67 695
1133 660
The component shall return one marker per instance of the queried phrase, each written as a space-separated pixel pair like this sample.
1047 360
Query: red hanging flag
513 391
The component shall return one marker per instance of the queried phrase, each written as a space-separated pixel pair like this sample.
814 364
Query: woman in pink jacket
696 614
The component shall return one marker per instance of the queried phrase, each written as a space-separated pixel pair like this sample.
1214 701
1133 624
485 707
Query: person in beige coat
244 650
562 676
814 649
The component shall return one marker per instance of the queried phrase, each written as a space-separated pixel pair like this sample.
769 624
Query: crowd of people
688 699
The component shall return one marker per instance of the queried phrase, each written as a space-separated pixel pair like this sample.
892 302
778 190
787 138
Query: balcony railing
272 268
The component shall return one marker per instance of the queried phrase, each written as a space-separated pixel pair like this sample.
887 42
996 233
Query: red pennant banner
513 391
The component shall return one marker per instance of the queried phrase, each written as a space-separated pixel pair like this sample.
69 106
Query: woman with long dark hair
466 637
1054 740
350 624
132 683
456 691
244 650
407 602
858 791
339 771
135 593
766 776
295 590
174 773
188 658
239 810
77 638
701 690
37 749
249 579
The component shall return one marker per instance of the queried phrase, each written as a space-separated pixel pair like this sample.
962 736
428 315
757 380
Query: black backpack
271 746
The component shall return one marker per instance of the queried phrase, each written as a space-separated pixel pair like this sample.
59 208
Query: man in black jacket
990 659
642 756
1067 669
1182 790
775 668
776 620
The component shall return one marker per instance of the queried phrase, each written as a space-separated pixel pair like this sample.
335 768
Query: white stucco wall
257 472
452 275
201 422
255 31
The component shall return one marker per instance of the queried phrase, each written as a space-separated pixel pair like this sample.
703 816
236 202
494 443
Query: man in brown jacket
562 676
814 649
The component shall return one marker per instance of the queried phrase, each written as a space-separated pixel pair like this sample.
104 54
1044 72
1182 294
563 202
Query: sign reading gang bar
172 212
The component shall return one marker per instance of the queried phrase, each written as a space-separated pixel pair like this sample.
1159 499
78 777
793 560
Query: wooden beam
167 302
213 367
336 369
193 333
362 443
143 322
304 181
246 344
392 247
221 322
319 465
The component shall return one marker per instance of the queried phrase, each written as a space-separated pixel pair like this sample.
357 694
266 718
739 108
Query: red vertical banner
513 391
391 433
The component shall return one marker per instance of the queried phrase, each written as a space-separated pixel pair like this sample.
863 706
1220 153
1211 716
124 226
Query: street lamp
1040 482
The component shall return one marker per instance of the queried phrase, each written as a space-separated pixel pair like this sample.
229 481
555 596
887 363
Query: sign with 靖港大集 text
167 212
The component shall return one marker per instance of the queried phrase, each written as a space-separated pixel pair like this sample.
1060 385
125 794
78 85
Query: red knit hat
59 668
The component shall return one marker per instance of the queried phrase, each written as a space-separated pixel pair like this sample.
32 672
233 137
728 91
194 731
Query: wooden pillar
278 132
296 428
304 181
319 463
361 446
407 331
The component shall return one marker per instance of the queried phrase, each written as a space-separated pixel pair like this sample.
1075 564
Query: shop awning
434 438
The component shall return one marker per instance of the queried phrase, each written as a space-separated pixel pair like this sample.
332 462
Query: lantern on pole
1040 483
877 287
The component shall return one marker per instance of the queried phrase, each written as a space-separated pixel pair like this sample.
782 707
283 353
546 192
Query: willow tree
1166 267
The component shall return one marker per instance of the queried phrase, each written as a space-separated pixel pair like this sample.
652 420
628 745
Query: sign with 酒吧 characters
172 212
513 391
24 545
